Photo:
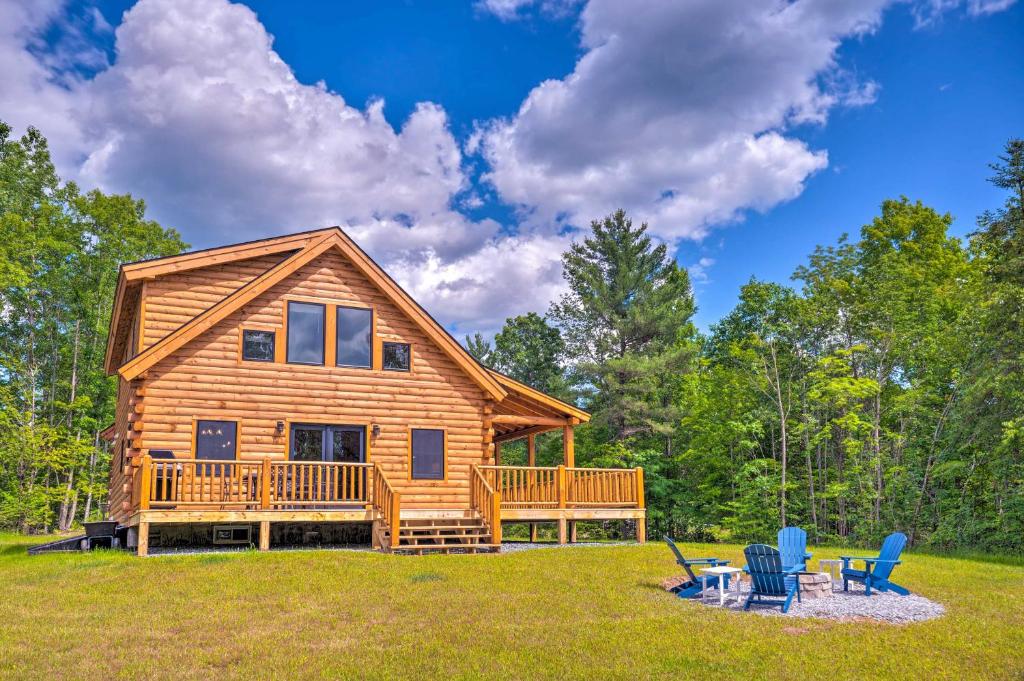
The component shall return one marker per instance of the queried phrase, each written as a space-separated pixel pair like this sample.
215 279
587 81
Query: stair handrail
387 503
487 502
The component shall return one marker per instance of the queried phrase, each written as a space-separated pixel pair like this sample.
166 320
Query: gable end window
354 337
396 356
258 346
305 333
216 440
427 450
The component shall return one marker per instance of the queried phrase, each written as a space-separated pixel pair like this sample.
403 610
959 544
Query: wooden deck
174 491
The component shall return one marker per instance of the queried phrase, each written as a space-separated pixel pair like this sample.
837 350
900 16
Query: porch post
531 461
568 447
497 453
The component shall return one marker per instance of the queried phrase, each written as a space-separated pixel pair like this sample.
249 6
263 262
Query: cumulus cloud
199 115
679 112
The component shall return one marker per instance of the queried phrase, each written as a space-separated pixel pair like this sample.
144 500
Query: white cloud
201 117
678 112
511 10
699 270
982 7
928 12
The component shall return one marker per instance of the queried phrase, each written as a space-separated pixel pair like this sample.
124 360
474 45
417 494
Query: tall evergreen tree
626 321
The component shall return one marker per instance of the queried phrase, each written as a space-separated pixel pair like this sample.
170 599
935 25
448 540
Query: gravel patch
849 606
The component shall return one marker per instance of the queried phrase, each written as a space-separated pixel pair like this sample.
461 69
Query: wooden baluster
562 491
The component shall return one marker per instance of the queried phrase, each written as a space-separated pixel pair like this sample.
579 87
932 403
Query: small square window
258 346
396 356
216 440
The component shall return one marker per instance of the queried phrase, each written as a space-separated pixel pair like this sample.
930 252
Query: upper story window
354 337
396 356
216 440
258 346
305 333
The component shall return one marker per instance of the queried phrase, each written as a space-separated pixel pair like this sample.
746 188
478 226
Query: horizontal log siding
205 379
120 484
174 299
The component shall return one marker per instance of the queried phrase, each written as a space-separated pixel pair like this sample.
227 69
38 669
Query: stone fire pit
815 585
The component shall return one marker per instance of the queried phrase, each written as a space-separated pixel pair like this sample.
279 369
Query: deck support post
143 539
641 530
531 461
264 535
561 530
572 531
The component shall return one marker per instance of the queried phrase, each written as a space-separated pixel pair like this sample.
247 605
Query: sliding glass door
316 442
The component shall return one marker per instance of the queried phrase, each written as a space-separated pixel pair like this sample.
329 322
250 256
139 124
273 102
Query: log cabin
291 383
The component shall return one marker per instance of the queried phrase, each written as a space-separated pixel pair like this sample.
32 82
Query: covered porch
562 494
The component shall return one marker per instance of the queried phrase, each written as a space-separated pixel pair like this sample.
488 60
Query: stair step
446 548
440 522
403 536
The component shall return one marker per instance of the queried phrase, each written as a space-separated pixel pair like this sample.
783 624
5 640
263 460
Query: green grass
557 614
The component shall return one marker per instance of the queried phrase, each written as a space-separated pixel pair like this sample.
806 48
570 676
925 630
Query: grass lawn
569 613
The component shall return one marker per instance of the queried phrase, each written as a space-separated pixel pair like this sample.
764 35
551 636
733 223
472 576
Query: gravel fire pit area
818 600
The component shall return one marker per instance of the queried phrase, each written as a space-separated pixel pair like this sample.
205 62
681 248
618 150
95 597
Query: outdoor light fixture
375 430
279 428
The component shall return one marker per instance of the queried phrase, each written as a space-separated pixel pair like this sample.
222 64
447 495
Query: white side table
834 568
721 572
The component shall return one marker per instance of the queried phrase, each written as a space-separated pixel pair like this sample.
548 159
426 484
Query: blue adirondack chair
770 582
692 586
793 547
875 574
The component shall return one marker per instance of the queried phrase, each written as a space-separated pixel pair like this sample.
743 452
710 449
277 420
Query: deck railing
485 501
295 484
387 502
249 484
529 487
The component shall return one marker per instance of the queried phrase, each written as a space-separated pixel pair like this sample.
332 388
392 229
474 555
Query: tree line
882 390
60 249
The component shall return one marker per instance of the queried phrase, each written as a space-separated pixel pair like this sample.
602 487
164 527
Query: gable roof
555 404
316 244
131 275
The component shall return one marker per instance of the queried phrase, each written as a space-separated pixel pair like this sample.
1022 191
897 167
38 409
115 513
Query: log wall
206 378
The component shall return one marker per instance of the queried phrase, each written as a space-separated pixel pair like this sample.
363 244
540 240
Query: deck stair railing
487 502
387 503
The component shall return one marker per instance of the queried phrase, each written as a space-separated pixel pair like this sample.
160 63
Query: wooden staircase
418 535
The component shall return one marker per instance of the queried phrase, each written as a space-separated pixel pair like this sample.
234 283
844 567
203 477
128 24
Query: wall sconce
375 429
279 428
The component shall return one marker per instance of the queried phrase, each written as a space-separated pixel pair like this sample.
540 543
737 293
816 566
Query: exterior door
315 442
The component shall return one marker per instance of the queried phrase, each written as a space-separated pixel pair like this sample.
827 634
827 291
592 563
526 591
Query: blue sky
742 153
